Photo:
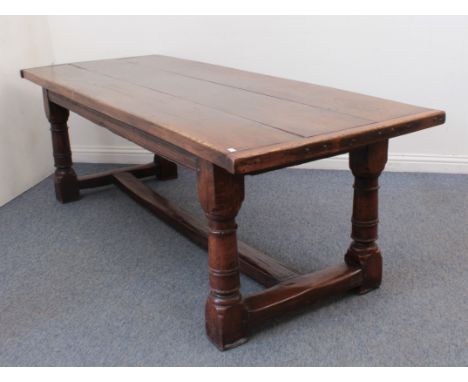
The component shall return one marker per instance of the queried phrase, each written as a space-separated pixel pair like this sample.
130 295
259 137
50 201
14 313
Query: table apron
147 141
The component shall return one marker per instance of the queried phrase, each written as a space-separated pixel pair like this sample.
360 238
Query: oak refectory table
224 124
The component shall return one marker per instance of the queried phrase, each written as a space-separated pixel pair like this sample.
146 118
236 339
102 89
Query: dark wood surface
240 121
225 123
306 289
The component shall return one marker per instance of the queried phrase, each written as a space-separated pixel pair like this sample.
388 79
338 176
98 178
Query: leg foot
370 261
226 326
66 185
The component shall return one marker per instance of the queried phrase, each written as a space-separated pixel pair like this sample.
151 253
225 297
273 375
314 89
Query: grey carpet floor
103 282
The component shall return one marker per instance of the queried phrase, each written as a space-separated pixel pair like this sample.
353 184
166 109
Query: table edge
251 161
328 145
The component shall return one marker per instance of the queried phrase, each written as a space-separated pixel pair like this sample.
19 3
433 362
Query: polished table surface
241 121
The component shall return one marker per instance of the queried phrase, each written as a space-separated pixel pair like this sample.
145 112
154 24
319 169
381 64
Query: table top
242 121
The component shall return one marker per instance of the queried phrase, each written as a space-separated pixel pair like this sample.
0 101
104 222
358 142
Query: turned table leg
65 180
221 196
165 169
366 164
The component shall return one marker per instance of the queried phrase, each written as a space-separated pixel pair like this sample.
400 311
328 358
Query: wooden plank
295 118
259 160
243 122
358 105
253 263
202 131
296 293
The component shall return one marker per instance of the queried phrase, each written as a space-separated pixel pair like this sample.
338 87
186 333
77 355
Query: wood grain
300 291
241 121
271 111
327 98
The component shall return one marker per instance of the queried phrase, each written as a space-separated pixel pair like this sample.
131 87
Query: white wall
419 60
25 148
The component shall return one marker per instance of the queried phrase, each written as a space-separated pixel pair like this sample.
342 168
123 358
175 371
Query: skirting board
451 164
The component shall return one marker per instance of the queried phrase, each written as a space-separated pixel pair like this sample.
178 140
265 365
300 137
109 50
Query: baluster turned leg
221 195
66 183
366 165
165 169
